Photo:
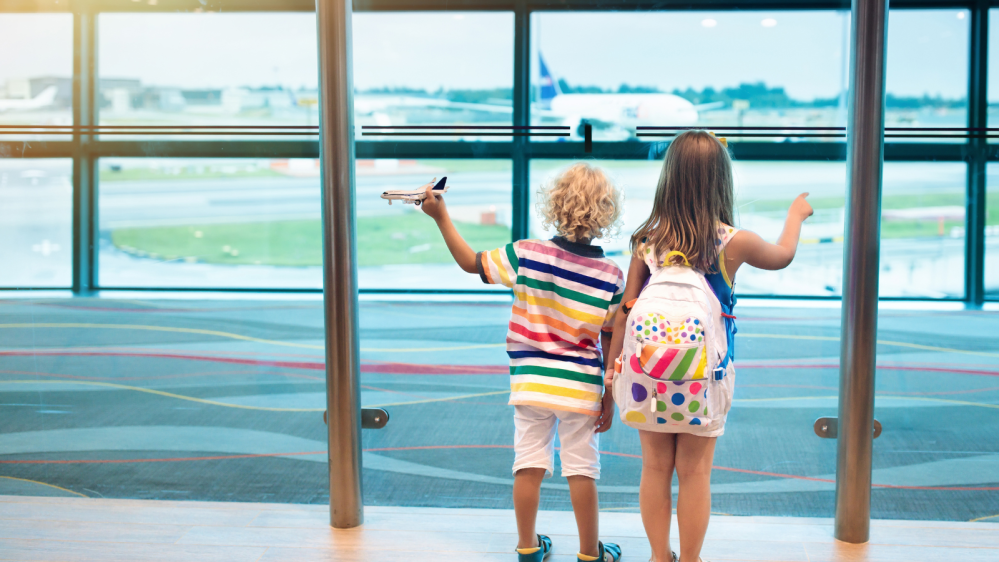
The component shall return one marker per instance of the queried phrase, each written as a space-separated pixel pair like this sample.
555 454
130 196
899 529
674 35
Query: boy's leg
526 496
655 491
580 455
586 507
534 448
694 456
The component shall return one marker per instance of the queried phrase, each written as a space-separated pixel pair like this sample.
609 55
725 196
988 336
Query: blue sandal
609 552
538 555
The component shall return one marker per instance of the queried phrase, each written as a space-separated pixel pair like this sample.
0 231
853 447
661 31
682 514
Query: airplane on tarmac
43 99
416 196
620 113
615 111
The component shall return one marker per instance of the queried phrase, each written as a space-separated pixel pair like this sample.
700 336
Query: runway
36 218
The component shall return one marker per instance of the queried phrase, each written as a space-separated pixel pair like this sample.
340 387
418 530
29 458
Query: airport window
763 192
201 69
36 241
36 85
922 229
993 78
433 69
210 223
398 247
255 223
742 74
926 80
992 233
704 69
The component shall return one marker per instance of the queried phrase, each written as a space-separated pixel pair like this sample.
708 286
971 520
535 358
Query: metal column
343 397
84 162
865 154
520 228
974 241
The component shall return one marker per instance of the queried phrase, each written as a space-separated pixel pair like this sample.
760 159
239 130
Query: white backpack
673 373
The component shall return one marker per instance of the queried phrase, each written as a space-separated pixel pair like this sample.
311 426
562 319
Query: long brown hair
694 193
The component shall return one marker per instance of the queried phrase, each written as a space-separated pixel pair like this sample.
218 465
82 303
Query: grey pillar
84 162
978 118
336 148
865 154
521 118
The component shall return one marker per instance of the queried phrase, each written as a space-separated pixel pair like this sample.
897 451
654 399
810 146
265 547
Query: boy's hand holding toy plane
416 196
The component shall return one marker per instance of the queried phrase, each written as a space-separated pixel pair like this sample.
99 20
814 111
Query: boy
565 296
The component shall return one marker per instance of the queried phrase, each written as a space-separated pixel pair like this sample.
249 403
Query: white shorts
534 441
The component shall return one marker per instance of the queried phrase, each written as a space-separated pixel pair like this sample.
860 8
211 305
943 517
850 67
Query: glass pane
255 223
230 69
922 230
36 222
398 247
993 79
922 249
741 72
992 233
36 85
927 74
205 222
409 71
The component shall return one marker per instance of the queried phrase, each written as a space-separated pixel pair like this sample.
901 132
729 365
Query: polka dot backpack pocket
671 375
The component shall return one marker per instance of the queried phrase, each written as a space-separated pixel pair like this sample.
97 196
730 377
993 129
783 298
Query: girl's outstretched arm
638 272
462 253
748 247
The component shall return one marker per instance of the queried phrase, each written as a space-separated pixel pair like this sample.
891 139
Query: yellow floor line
877 397
880 342
984 518
441 399
231 335
240 406
163 329
44 484
170 395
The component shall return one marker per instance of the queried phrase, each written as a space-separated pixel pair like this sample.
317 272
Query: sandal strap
610 549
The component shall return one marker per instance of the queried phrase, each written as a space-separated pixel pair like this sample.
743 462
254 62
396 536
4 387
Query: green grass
397 239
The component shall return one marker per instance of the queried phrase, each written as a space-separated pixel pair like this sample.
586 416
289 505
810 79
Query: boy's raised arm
462 253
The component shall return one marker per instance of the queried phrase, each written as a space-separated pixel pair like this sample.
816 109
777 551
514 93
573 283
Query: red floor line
432 369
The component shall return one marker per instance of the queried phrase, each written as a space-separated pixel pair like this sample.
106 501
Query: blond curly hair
581 204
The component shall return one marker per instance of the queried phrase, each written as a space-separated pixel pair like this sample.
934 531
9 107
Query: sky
800 51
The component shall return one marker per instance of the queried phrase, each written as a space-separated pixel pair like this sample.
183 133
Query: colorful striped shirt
564 294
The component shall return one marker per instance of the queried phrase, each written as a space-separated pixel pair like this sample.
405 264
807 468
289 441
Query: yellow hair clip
722 140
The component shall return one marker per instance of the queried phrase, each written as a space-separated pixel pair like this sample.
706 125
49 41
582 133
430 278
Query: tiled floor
76 529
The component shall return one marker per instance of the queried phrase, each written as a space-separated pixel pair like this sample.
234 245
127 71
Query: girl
692 214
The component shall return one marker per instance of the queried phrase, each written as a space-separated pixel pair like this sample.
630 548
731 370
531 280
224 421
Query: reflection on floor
76 530
221 400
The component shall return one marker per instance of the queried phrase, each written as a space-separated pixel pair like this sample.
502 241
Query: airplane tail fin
46 97
440 184
549 85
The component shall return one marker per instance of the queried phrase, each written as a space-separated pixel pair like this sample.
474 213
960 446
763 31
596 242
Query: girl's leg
694 456
655 492
526 496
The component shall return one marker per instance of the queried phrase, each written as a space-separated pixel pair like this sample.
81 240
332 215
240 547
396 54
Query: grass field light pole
865 154
343 395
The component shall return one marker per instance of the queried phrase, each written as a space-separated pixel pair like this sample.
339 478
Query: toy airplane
415 196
